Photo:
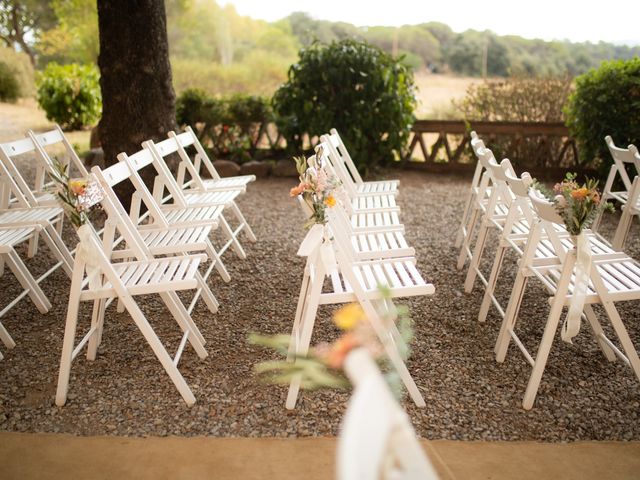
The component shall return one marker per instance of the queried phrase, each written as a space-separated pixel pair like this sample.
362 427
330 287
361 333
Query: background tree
137 93
22 21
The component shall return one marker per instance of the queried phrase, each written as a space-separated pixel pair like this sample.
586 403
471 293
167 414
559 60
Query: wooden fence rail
528 143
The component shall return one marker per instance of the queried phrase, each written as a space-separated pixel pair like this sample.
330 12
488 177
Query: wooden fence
530 144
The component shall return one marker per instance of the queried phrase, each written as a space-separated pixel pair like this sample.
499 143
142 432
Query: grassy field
436 92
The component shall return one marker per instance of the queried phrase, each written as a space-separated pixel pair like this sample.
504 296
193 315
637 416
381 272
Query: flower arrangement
318 189
322 366
78 196
578 205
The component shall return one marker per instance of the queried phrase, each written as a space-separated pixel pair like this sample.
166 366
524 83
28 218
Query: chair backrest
17 186
343 155
187 139
48 141
165 178
333 162
128 169
622 156
117 216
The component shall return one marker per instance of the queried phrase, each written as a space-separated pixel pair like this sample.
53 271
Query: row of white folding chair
21 219
515 232
376 210
143 275
348 172
613 276
364 262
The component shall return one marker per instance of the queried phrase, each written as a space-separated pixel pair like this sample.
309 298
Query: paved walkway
50 456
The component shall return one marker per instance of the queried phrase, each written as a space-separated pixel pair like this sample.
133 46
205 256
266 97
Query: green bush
9 88
357 88
70 95
20 65
606 101
227 126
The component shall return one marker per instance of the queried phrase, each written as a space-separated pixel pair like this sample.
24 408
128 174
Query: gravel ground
469 396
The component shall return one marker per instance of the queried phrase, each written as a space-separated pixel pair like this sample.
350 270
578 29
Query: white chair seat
36 215
228 182
192 216
10 237
152 276
211 198
377 188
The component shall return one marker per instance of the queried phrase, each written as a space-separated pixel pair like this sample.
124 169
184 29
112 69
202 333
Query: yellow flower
348 316
77 186
330 201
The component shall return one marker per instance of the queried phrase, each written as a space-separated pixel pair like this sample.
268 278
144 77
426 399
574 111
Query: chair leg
307 321
69 334
393 353
97 322
466 244
491 284
476 257
159 350
33 245
623 335
463 222
510 317
623 229
22 274
598 333
207 295
543 353
243 221
186 323
302 301
6 338
217 262
235 244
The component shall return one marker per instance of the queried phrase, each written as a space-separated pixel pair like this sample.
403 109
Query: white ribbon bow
582 271
318 238
88 253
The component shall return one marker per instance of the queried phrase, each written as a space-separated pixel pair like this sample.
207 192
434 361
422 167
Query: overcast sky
616 21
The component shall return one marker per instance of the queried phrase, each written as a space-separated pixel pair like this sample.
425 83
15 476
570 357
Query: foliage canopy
352 86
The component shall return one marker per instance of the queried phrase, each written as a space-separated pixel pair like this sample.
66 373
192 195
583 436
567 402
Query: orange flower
330 201
77 186
295 191
340 349
580 193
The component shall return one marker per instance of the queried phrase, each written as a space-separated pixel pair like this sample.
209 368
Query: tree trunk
138 101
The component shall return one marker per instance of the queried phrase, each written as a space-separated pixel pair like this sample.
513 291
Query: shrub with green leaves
229 126
606 101
70 95
9 87
360 90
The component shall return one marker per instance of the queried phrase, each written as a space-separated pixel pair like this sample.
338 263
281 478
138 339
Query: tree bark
138 101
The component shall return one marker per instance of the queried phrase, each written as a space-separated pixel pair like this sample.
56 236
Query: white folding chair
153 240
193 167
630 210
622 157
377 441
174 215
348 173
352 281
612 277
188 198
124 281
20 206
10 237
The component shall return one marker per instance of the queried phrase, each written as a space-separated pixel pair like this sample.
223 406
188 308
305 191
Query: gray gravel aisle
469 396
